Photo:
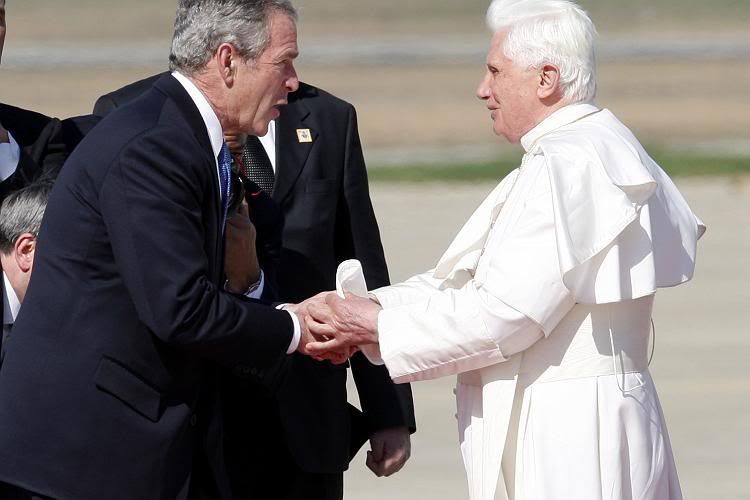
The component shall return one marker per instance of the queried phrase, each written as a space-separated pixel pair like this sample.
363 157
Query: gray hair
22 212
202 25
555 32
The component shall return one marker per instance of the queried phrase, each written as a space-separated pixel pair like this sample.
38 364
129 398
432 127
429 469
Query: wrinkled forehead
496 52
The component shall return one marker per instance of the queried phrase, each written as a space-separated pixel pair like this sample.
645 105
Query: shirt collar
215 133
563 116
269 143
11 305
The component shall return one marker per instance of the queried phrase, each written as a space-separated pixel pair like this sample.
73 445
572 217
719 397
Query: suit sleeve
153 203
42 155
384 403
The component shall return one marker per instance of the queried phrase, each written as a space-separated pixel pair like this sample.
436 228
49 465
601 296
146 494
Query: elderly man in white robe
542 304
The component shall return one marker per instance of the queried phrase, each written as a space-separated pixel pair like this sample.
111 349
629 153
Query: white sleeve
10 155
451 332
412 290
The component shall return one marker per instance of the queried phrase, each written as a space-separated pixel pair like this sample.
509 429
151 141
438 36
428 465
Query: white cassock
542 306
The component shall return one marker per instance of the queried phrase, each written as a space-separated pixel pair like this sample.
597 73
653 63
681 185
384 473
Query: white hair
556 32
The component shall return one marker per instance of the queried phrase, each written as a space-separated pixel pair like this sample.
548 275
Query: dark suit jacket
323 192
108 389
40 139
2 318
45 143
321 188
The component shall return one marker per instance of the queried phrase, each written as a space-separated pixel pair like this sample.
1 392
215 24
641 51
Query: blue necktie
225 180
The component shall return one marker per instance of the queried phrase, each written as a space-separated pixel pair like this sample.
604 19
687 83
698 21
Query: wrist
243 287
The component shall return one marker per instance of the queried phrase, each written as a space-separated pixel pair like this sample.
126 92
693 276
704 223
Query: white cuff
297 330
10 155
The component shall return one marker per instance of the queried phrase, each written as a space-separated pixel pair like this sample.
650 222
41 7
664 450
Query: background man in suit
33 145
125 321
315 171
20 217
292 435
29 142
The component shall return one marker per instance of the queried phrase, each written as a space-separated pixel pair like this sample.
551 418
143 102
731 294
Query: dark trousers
258 460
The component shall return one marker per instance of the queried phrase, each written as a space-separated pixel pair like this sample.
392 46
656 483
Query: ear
23 251
549 81
226 56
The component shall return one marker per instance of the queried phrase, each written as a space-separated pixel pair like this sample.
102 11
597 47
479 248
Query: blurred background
676 71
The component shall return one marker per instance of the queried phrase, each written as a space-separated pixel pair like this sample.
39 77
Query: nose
292 81
483 89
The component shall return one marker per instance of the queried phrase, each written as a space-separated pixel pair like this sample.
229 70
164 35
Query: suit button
454 391
193 420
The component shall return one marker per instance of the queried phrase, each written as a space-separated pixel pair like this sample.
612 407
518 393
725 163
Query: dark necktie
225 180
4 335
255 164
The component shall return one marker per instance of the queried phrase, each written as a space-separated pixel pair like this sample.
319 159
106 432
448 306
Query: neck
15 276
208 86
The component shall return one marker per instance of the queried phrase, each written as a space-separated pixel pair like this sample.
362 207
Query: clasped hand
333 328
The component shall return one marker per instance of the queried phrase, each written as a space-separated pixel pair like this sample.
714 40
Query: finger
373 465
378 448
394 463
339 358
332 299
320 313
368 461
319 329
244 209
336 358
321 347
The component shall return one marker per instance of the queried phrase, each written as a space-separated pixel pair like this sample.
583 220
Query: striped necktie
225 181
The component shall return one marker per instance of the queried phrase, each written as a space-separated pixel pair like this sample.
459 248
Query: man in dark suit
33 145
30 143
298 442
108 387
20 217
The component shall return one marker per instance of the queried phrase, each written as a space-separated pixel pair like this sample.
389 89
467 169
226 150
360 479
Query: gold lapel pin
304 135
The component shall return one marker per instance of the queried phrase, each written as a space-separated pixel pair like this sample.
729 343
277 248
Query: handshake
333 328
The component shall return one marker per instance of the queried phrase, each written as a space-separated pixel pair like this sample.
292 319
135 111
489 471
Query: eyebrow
287 54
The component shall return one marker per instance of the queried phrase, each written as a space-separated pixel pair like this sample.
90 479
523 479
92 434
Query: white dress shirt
269 143
216 137
11 306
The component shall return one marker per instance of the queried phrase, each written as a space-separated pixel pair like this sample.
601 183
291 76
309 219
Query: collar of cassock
563 116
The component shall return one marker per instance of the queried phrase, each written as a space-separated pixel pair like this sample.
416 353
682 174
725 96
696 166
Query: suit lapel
291 153
168 85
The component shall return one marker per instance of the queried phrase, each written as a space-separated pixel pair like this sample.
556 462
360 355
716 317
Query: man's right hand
306 337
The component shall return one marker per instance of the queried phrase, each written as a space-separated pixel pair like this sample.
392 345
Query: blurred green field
675 164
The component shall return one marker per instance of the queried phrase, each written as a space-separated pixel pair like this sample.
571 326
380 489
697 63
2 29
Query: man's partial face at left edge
2 26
